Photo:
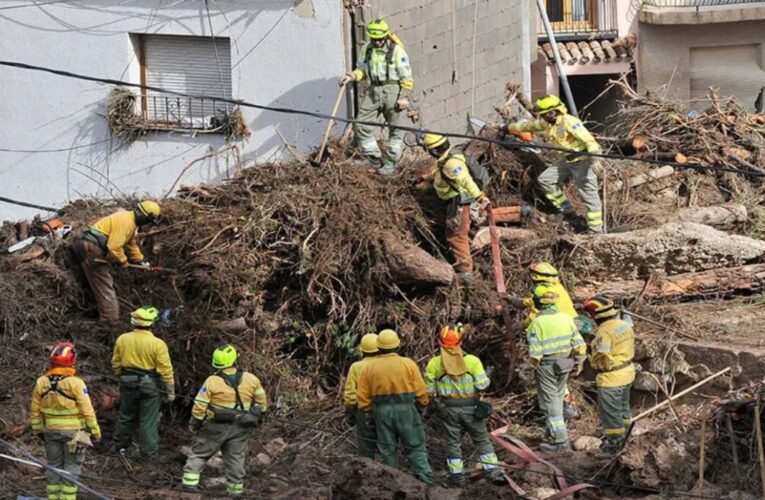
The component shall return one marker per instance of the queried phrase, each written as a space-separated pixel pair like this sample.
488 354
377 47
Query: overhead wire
40 4
55 150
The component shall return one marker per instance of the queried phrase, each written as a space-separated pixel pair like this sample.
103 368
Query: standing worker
612 351
454 381
568 132
553 338
142 363
365 434
112 238
229 404
61 410
388 391
385 63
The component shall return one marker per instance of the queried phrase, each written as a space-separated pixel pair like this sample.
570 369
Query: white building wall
284 53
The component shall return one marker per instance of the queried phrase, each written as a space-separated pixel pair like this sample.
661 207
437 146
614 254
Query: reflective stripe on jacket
567 132
453 179
553 333
120 231
142 350
216 393
612 347
564 303
352 381
378 69
390 374
438 382
54 410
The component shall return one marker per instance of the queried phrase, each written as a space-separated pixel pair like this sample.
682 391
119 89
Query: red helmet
63 354
451 335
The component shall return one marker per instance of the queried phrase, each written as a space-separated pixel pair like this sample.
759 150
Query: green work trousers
143 410
551 389
366 437
400 422
59 456
457 421
554 178
231 440
379 101
614 409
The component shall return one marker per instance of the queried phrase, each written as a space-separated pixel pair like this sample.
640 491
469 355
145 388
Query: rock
542 493
276 447
214 482
590 444
723 215
645 381
262 460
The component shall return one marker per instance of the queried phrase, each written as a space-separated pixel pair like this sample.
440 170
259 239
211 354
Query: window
189 64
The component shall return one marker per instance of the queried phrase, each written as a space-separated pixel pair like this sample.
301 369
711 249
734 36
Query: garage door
735 69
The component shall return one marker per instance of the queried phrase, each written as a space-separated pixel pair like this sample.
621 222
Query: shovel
320 156
155 269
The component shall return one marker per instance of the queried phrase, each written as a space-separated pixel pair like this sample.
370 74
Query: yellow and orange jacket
216 393
390 375
120 231
612 351
142 350
65 408
451 178
567 132
564 303
352 381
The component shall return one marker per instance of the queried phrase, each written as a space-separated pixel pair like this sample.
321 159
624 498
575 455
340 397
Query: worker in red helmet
61 413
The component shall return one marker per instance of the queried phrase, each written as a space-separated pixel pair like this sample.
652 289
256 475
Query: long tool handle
155 269
331 122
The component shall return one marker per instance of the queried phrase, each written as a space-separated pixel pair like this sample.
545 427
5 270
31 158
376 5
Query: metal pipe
561 72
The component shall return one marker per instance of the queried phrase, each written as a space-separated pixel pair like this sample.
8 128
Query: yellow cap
388 339
543 271
369 343
149 208
144 316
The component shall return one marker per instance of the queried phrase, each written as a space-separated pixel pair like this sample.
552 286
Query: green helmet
224 356
549 103
144 316
378 29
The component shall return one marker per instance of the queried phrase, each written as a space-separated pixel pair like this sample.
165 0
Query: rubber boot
555 447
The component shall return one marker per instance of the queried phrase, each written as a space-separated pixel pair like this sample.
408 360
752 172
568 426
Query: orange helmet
451 335
63 354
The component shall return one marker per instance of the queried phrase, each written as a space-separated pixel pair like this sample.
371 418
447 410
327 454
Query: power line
22 6
510 144
59 150
29 205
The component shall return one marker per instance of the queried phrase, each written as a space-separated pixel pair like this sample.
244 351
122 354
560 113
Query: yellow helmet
224 356
437 145
549 103
368 343
544 296
600 307
543 272
378 29
388 339
144 316
149 209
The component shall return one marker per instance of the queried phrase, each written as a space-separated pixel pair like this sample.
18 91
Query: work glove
577 370
124 265
597 166
402 103
170 394
483 201
79 440
194 425
346 79
144 263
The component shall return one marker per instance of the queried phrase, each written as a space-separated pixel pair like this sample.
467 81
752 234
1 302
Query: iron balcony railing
184 112
696 3
577 19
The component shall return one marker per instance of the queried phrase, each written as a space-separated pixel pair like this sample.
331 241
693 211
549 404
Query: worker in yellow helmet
390 391
113 238
385 64
613 349
142 363
61 411
454 381
366 436
556 349
228 405
568 132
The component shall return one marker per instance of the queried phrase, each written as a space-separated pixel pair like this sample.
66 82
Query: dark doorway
593 104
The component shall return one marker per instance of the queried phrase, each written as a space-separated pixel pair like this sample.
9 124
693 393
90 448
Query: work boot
608 449
456 480
569 411
388 169
555 447
594 230
375 162
497 479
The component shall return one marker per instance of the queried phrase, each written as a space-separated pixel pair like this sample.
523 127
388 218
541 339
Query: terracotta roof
591 51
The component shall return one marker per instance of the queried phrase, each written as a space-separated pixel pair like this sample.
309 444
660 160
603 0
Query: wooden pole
702 442
331 122
680 394
734 452
758 434
605 197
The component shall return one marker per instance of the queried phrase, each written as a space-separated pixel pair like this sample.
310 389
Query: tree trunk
411 265
723 215
507 234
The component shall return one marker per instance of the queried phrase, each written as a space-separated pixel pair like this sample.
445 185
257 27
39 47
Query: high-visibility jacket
140 349
554 333
390 375
66 407
120 231
217 393
387 64
451 178
439 383
352 381
612 351
564 303
567 132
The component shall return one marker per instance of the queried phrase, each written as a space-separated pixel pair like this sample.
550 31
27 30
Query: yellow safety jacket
390 64
216 393
352 381
564 303
439 383
554 333
567 132
140 349
451 178
60 402
119 229
390 375
612 351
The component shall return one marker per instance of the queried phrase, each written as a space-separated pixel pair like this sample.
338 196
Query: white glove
346 79
144 263
402 104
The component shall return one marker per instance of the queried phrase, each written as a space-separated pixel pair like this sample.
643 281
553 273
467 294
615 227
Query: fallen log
235 325
513 235
649 176
721 215
714 282
411 265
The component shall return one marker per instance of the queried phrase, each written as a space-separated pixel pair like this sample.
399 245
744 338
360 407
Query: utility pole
556 56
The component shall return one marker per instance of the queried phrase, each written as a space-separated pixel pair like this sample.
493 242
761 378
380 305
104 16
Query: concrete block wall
441 46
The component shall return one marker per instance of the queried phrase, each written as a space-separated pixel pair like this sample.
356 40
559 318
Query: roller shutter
735 69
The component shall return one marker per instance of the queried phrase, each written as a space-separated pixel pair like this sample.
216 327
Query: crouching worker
229 404
61 409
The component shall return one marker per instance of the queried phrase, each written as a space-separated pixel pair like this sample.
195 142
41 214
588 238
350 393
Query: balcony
574 20
170 112
698 12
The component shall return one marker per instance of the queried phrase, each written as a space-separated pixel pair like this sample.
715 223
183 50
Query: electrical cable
29 205
26 5
59 150
510 144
